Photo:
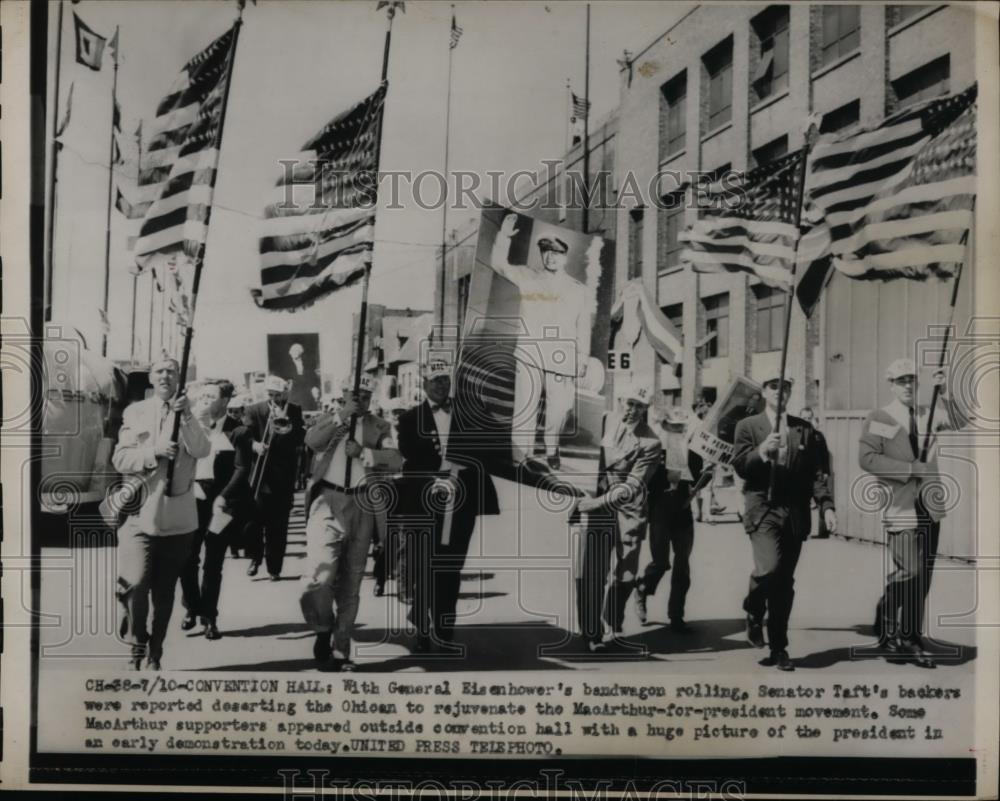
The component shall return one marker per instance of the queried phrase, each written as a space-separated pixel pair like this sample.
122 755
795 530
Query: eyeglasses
774 385
905 380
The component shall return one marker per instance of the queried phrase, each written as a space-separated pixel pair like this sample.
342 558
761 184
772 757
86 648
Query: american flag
456 32
318 241
638 313
580 106
893 202
748 223
179 167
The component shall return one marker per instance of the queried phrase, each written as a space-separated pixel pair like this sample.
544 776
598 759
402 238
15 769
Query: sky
297 65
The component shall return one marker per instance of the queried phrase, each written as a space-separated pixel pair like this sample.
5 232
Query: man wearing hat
630 455
553 345
779 521
155 541
279 445
387 548
890 448
440 496
342 501
671 524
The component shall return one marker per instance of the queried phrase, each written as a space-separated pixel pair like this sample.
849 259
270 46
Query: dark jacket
282 463
420 447
803 478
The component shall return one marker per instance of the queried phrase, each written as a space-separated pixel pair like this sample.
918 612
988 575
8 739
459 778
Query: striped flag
639 314
319 240
122 204
177 176
456 32
893 202
580 106
749 224
89 44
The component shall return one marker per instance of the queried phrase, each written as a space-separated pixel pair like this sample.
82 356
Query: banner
713 438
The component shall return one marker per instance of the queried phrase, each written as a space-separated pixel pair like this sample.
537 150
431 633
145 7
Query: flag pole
363 311
444 205
135 278
199 261
111 189
944 345
586 130
791 294
50 231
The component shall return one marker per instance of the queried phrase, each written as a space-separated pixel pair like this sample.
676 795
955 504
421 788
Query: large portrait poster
295 358
531 366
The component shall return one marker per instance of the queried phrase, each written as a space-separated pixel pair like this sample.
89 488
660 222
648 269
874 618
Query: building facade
731 87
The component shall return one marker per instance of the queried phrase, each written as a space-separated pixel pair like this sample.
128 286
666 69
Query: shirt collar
900 412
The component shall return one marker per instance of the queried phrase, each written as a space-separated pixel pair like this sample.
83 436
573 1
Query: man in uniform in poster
553 346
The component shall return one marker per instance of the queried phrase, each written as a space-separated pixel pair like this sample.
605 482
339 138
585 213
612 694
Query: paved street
515 608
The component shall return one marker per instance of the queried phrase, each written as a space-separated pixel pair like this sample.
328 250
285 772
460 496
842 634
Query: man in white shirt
553 347
154 542
890 448
342 503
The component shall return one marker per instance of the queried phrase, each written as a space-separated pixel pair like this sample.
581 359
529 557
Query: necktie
914 437
439 407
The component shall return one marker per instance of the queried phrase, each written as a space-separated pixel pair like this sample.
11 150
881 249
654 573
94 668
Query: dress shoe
153 664
253 568
347 666
322 648
640 606
379 590
135 660
274 576
553 461
189 622
755 631
597 647
914 652
778 659
679 626
212 631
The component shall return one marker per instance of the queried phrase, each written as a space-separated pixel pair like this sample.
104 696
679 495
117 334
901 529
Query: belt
344 490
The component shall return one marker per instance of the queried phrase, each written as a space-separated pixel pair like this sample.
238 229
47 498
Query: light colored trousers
338 535
560 392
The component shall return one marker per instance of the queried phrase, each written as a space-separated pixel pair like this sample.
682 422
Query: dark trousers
434 572
148 567
268 537
671 526
386 557
593 561
204 600
913 554
776 550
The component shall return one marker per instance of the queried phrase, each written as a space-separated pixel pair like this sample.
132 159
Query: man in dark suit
440 498
302 378
273 499
220 488
778 523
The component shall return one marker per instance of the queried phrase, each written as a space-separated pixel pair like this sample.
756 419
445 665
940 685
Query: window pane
849 42
780 55
777 327
763 330
830 27
850 18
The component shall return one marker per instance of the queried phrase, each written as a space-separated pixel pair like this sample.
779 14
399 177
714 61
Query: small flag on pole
69 107
116 116
89 45
116 152
456 32
893 202
748 224
113 46
313 246
126 208
581 106
178 171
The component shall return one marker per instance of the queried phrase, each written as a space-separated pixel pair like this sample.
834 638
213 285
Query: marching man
890 448
341 520
631 454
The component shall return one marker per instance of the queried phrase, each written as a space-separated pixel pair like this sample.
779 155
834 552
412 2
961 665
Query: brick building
731 87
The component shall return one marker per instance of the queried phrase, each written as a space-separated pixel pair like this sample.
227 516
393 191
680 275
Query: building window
717 322
840 119
672 397
672 223
771 73
771 151
635 242
463 299
841 32
674 312
770 309
672 135
901 14
719 69
923 83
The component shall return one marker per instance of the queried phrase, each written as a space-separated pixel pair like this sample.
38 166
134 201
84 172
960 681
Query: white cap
275 384
899 368
636 391
438 364
367 383
240 401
